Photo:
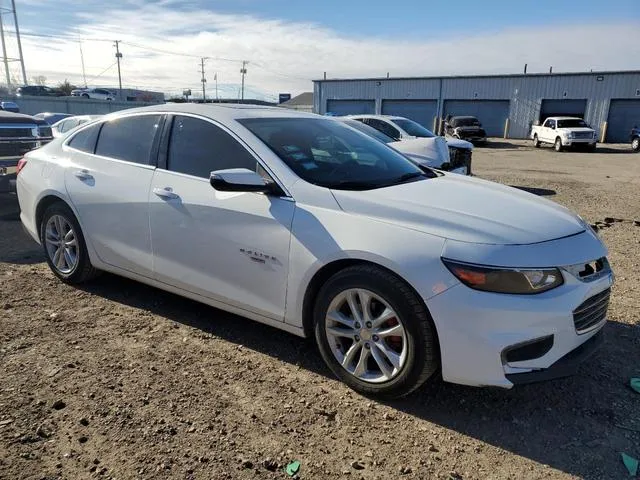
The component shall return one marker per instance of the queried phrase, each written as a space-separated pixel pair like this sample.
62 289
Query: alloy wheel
61 244
366 336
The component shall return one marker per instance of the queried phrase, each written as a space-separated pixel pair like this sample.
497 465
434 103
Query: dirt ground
119 380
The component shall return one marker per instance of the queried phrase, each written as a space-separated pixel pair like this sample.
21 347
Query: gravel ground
120 380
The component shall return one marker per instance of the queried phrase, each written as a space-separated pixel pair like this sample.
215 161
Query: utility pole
243 71
118 57
84 74
4 52
203 80
15 22
215 77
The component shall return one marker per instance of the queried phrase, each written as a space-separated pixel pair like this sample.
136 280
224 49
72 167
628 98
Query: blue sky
290 42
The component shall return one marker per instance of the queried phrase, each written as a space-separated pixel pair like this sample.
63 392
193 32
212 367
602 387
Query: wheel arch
327 271
45 202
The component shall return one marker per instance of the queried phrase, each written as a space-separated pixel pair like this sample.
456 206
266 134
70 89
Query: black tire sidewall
63 210
420 340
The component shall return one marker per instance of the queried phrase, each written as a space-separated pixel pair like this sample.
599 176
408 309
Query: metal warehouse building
507 105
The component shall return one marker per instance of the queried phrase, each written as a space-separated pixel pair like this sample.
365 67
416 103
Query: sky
288 43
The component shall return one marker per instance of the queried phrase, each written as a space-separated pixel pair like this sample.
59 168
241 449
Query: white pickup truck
564 132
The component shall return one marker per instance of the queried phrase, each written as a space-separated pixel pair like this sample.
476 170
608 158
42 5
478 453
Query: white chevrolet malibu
305 224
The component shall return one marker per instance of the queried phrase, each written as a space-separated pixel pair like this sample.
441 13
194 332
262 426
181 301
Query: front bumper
8 174
572 142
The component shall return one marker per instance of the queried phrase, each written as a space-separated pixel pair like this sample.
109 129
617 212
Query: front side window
68 125
384 127
413 128
129 138
198 147
329 154
85 140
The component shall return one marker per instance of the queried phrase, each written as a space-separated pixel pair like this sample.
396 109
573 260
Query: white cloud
285 56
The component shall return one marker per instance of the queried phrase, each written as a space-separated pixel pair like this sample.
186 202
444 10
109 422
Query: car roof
227 111
379 117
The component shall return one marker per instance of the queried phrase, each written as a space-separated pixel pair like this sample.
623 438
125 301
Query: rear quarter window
85 139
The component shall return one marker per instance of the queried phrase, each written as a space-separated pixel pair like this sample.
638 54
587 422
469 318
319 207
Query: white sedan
67 124
307 225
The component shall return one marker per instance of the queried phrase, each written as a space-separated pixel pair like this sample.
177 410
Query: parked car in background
403 129
564 132
465 128
51 117
94 93
428 152
401 274
635 139
10 107
19 134
38 91
67 124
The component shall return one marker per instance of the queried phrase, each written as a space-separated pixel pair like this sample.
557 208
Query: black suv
635 139
18 135
38 91
465 128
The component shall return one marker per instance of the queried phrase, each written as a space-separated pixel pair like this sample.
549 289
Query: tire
635 144
558 144
536 141
592 148
69 269
85 95
415 348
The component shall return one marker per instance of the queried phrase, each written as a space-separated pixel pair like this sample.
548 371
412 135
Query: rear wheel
64 245
536 141
85 95
375 333
635 144
558 144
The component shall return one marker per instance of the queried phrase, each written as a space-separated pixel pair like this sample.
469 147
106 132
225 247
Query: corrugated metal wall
524 92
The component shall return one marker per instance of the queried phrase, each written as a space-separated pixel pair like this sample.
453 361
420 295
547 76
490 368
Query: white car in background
429 152
94 93
65 125
304 224
418 141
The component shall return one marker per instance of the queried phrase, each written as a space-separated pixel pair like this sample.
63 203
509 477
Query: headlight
568 134
520 281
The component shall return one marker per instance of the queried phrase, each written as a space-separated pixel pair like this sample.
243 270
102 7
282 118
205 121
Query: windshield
573 123
467 122
329 154
372 132
412 128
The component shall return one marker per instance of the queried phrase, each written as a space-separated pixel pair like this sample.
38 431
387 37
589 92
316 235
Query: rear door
232 247
109 180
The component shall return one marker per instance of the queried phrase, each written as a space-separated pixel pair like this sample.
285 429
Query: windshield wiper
352 185
408 176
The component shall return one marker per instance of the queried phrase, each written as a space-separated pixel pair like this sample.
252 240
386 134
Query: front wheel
635 144
536 141
558 144
64 246
374 332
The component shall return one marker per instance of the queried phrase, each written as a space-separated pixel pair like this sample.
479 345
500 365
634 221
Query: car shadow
576 425
542 192
611 150
499 144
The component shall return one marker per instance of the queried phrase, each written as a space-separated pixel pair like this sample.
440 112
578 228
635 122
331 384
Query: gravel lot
119 380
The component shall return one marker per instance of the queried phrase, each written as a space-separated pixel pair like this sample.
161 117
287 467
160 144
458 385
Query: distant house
303 102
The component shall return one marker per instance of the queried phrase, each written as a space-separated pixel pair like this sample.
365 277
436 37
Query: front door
228 246
109 184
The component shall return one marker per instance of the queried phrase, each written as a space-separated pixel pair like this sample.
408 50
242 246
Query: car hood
432 152
465 209
577 129
457 143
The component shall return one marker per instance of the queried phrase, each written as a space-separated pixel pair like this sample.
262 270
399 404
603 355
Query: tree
39 80
66 87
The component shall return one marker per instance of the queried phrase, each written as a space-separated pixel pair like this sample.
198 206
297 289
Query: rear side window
85 140
197 148
129 138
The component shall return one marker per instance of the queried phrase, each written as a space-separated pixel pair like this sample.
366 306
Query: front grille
16 132
582 135
591 312
16 149
460 157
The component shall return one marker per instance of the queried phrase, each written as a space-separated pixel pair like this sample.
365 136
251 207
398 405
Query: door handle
83 175
166 192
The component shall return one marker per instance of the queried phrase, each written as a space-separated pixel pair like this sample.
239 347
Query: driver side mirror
239 180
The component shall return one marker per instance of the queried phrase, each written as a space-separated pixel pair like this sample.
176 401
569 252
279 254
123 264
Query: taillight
21 164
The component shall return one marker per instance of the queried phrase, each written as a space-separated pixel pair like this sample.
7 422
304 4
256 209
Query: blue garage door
492 113
422 111
562 108
351 107
623 116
